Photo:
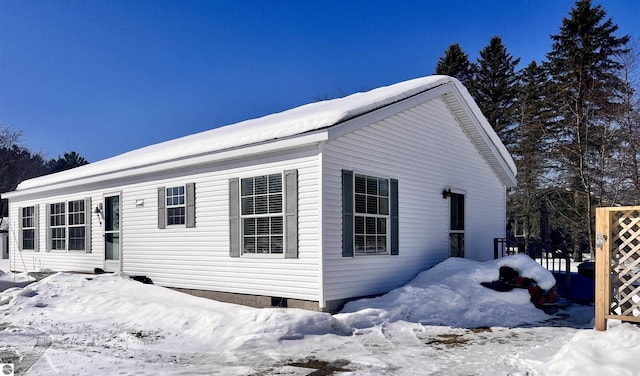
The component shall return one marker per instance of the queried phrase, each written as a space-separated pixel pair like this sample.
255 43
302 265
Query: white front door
112 248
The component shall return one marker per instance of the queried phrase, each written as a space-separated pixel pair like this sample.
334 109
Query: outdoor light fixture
446 192
98 211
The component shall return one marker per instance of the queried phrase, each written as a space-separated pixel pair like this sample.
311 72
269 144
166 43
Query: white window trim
183 205
387 216
35 220
281 215
66 227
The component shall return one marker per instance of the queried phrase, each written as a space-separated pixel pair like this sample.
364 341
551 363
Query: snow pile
110 324
612 352
450 294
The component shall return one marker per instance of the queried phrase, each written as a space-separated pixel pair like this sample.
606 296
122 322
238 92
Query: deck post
602 274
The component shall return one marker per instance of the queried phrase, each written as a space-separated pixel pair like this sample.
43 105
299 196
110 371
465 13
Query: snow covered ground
442 323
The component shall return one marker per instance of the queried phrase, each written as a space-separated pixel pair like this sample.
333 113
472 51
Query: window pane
383 206
382 244
370 225
28 211
247 206
57 214
372 186
382 226
58 238
361 203
262 225
383 188
76 238
249 226
372 205
28 239
112 246
359 223
360 184
261 205
457 211
249 245
275 203
175 216
275 183
276 226
371 244
277 244
247 187
262 245
260 185
359 244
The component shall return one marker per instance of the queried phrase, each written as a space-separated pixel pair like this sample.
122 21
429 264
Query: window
29 223
76 225
370 220
175 206
57 226
68 226
263 215
371 214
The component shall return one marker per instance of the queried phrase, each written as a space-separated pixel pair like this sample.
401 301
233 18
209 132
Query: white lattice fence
617 264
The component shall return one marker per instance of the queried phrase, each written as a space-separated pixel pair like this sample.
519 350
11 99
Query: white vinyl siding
199 258
426 150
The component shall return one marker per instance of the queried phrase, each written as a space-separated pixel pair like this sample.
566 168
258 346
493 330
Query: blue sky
105 77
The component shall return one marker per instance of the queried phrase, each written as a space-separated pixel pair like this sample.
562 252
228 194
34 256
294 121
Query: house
306 208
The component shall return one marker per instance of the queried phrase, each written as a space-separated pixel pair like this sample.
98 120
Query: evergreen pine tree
587 88
455 63
494 88
532 116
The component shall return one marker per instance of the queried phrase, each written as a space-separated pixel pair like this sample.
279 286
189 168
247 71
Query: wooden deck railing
617 265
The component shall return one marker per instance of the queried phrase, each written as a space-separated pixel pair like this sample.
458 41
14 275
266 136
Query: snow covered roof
296 121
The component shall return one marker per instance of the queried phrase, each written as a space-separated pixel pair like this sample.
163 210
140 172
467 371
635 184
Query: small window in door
456 226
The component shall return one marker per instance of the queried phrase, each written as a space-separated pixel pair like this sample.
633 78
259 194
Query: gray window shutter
291 213
191 205
36 235
87 225
20 239
347 213
395 227
234 217
162 222
47 222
